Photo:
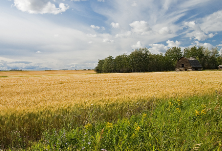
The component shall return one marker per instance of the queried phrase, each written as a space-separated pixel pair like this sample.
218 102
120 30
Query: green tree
109 65
195 52
99 67
174 54
139 59
122 63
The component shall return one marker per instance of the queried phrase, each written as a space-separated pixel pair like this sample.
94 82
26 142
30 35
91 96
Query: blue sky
74 34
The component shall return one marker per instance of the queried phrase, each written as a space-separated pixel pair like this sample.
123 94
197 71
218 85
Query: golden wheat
30 91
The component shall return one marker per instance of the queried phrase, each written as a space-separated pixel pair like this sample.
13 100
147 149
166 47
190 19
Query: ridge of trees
142 60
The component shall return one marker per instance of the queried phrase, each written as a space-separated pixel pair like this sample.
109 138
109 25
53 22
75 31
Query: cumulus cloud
94 27
140 27
137 45
206 45
97 27
39 6
161 48
173 44
123 35
158 48
115 25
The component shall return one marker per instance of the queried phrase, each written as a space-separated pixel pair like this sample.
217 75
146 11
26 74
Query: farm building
188 64
220 67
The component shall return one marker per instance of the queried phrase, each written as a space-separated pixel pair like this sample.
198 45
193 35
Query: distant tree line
142 60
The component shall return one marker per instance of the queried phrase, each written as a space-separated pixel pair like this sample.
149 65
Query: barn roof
195 63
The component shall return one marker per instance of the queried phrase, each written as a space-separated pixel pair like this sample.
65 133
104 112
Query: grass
31 106
193 123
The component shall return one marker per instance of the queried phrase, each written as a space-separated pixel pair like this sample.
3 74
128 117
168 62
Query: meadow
36 104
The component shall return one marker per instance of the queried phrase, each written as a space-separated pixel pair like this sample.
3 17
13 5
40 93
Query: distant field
47 72
37 89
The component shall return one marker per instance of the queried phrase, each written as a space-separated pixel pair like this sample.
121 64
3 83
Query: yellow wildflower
144 115
109 125
88 126
170 103
203 111
197 112
137 129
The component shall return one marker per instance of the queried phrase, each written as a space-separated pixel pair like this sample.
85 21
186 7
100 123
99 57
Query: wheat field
33 102
31 91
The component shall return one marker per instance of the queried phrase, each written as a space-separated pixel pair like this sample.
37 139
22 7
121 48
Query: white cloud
140 27
220 52
165 30
123 35
92 35
137 45
134 4
196 32
101 0
173 44
39 6
108 41
206 45
115 25
38 52
213 22
97 27
158 48
161 48
94 27
191 24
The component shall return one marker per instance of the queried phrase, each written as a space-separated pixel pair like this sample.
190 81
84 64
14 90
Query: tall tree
109 65
99 67
174 53
138 60
122 63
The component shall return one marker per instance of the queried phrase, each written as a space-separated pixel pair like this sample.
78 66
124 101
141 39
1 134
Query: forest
142 60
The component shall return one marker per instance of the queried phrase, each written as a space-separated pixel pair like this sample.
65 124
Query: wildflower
88 126
133 136
179 102
137 129
109 125
170 103
203 111
144 115
197 112
178 109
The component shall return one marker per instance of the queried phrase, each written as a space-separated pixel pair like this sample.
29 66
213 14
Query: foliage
174 54
142 60
176 124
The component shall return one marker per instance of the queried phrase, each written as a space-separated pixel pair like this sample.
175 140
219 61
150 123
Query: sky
75 34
